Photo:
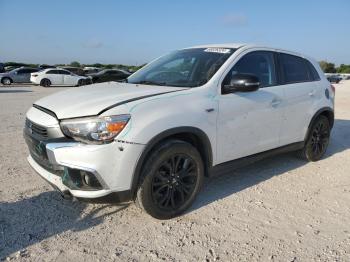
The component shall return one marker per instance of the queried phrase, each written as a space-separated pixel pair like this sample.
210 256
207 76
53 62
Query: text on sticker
218 50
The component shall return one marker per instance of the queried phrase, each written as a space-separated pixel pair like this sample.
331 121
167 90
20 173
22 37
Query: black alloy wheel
174 182
171 179
318 140
45 82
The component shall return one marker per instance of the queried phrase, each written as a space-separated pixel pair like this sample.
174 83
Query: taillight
333 88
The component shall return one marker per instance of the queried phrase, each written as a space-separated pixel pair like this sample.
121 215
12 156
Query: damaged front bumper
82 170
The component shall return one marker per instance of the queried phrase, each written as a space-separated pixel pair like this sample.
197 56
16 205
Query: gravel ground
280 209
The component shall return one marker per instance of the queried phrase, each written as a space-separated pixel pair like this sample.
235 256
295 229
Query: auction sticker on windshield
218 50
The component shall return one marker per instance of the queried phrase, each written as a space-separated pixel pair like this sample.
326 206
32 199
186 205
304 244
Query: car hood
93 99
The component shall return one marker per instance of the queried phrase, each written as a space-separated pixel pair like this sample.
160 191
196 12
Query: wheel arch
193 135
11 80
43 79
325 111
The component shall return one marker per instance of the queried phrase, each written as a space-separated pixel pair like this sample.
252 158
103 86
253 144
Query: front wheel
172 178
6 81
317 141
81 82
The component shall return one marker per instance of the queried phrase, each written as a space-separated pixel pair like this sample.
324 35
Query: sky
134 32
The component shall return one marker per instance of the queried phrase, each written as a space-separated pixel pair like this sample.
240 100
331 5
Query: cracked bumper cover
112 164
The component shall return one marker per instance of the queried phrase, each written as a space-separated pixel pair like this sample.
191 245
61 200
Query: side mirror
241 83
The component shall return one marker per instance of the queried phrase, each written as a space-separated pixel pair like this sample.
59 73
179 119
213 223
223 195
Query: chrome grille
36 129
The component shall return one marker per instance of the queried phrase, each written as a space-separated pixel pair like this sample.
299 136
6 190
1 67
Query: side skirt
229 166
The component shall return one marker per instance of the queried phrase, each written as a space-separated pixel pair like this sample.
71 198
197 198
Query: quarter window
312 71
294 69
258 63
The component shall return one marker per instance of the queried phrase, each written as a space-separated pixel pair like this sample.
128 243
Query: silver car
18 75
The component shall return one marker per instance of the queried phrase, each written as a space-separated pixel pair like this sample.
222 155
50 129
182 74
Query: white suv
189 114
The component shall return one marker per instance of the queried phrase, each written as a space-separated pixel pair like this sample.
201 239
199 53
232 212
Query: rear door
301 93
68 78
20 76
54 76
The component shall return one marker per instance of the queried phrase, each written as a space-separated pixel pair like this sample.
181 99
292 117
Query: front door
250 122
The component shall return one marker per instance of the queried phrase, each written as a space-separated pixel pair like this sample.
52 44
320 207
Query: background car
76 70
109 75
334 78
91 70
18 75
345 76
46 66
58 76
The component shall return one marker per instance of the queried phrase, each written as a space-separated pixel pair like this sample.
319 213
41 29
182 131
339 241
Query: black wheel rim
174 182
319 139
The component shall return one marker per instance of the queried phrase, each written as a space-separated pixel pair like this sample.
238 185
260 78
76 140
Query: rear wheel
172 178
317 142
45 82
6 81
81 82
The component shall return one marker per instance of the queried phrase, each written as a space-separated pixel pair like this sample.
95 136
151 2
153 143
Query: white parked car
58 77
192 113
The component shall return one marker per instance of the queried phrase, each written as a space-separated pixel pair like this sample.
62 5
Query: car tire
172 177
45 82
6 81
81 82
317 141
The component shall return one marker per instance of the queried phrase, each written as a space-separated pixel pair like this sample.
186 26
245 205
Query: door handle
275 102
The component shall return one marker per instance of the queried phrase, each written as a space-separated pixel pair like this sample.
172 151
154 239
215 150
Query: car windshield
184 68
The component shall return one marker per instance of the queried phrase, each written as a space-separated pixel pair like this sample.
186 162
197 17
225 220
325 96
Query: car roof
247 46
227 45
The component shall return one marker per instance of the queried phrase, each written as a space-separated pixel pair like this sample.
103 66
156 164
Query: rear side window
294 69
63 72
52 72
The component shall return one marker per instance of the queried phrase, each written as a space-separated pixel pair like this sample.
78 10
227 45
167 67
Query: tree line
328 67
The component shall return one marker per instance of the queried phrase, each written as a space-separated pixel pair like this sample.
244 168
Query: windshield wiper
147 82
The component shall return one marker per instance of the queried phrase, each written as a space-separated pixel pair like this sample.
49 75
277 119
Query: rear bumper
34 80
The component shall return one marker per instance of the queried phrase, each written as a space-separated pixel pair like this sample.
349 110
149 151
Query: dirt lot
280 209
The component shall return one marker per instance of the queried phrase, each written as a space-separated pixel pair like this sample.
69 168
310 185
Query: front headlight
96 130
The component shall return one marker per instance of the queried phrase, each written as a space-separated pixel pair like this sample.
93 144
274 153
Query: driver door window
258 63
